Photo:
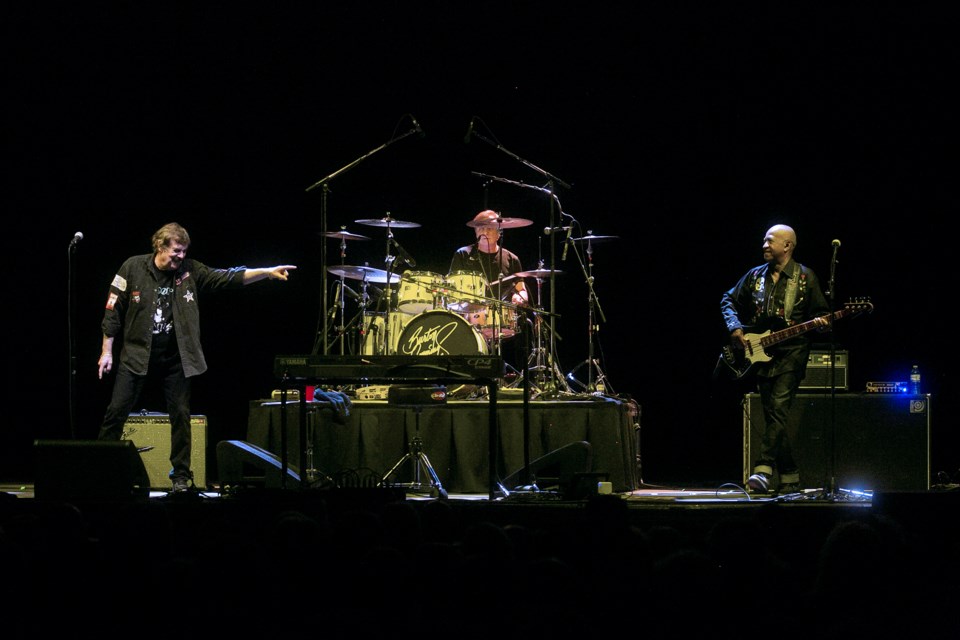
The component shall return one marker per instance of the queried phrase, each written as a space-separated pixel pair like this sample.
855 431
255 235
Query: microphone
566 243
350 292
466 138
835 243
403 254
77 237
549 230
417 126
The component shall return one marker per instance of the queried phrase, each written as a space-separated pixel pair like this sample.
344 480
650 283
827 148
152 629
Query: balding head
778 244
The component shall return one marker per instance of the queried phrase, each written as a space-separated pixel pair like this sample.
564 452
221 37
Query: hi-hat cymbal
344 235
388 222
536 273
592 238
502 223
370 274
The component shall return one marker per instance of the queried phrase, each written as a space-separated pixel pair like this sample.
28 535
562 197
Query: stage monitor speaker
151 433
558 468
240 463
72 470
881 442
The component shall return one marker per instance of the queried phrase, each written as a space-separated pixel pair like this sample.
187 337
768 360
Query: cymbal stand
598 384
421 464
389 260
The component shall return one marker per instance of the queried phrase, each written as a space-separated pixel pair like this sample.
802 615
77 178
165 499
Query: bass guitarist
778 294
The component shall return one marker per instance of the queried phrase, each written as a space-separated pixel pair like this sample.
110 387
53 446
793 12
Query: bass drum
440 333
374 332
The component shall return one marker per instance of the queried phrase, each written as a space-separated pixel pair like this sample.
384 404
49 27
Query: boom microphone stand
551 181
325 183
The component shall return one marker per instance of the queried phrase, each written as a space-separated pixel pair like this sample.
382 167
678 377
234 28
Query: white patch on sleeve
111 300
119 283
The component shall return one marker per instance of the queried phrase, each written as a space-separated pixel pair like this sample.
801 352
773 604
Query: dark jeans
776 397
176 390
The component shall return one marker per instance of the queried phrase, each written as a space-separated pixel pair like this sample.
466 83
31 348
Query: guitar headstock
858 305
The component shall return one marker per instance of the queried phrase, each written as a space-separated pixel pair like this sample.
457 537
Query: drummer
488 258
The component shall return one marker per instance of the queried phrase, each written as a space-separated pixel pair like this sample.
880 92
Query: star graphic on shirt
188 296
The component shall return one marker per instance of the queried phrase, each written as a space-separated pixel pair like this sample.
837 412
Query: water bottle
915 380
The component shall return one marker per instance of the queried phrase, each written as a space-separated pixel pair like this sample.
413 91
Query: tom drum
419 291
466 291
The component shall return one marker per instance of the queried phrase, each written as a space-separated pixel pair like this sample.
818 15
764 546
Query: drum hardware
390 261
540 361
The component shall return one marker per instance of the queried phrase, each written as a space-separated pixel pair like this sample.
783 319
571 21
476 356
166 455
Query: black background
684 130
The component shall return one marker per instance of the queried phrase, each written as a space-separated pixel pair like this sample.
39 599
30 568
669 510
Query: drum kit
426 313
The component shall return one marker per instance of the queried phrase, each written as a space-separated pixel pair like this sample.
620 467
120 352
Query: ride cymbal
501 223
388 222
370 274
344 235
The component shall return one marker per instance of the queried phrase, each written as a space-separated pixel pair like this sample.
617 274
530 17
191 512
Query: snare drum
374 332
466 291
489 321
440 332
419 291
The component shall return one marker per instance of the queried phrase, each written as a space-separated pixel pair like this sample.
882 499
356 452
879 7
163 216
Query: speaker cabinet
71 470
153 430
881 442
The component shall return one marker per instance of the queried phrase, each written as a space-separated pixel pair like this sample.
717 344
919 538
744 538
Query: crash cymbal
594 238
344 235
388 222
536 273
369 274
503 223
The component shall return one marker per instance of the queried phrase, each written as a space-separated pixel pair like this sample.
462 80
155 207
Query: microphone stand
71 335
831 484
324 182
551 180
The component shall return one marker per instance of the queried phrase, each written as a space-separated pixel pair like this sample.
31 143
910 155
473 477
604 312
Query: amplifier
153 430
887 387
871 441
818 371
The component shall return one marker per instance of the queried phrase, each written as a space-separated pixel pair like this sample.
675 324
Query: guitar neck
797 329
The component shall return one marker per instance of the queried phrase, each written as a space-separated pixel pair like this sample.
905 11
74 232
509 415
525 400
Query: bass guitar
741 362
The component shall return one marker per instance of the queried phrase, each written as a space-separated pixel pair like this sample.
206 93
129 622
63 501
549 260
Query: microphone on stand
77 237
835 243
350 292
566 243
550 230
466 138
403 254
416 126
